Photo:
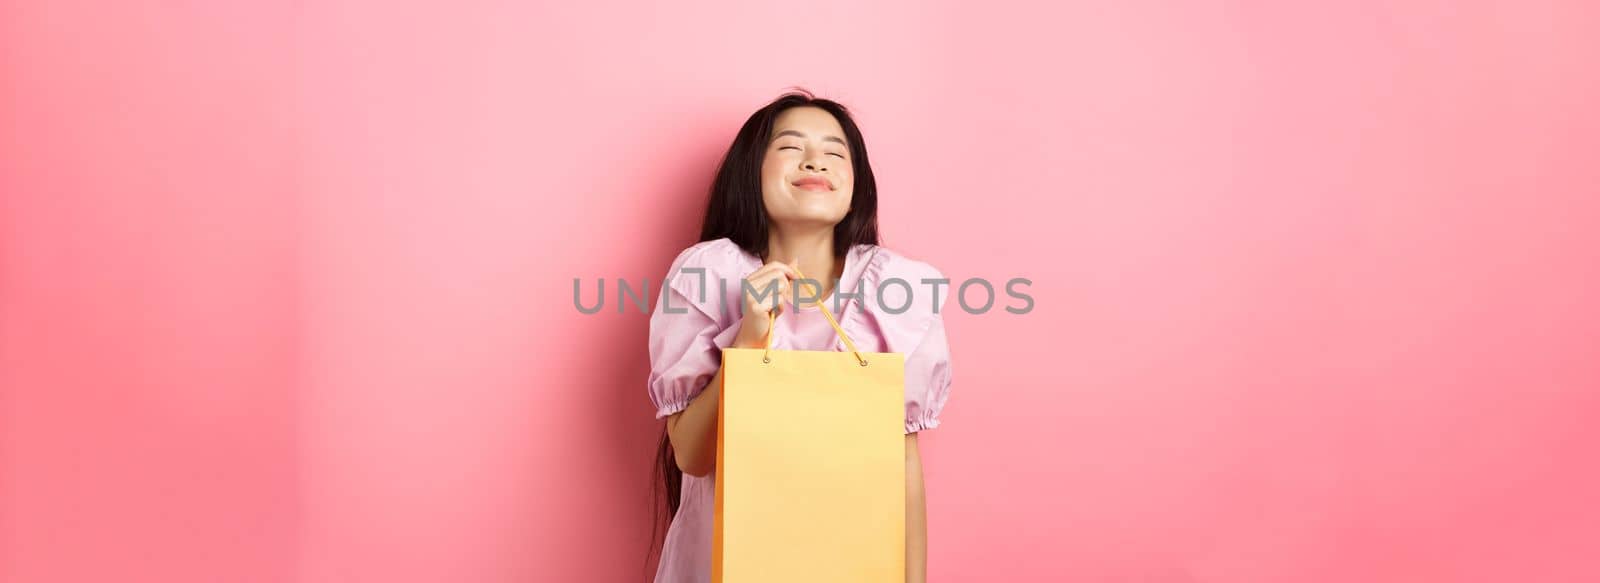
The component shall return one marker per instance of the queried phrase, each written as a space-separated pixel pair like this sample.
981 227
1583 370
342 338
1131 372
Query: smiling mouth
816 184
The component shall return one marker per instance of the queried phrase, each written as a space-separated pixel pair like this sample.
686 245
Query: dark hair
736 211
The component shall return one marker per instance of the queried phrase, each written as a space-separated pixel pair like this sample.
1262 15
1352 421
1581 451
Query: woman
794 194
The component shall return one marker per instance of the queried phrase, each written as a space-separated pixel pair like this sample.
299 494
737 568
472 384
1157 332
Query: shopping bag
810 475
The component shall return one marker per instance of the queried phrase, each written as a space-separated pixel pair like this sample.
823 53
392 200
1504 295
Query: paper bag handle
772 325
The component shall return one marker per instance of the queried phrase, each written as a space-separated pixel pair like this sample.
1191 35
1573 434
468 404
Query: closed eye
840 156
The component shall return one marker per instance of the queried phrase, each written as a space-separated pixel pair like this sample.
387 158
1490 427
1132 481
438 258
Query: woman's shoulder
716 255
886 264
706 271
901 296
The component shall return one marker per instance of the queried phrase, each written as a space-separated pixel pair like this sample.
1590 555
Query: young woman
794 192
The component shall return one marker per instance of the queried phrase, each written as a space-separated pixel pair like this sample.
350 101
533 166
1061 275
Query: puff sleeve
905 313
927 378
688 328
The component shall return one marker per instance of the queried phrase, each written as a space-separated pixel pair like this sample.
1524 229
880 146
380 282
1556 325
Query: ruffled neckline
864 265
863 260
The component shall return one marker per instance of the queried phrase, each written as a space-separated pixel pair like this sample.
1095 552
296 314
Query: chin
813 216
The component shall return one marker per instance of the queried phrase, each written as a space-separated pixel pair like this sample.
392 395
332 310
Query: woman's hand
693 431
754 328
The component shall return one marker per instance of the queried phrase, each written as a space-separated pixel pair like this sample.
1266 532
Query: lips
813 183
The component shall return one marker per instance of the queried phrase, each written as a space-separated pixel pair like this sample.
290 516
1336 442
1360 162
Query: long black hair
736 211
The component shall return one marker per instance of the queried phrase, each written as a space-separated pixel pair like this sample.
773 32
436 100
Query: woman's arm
916 515
693 431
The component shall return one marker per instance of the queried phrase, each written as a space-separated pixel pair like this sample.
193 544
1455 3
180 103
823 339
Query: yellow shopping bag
810 478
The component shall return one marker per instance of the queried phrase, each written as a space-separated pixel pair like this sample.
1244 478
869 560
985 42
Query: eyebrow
800 135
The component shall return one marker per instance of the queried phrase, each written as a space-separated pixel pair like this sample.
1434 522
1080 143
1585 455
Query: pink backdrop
285 292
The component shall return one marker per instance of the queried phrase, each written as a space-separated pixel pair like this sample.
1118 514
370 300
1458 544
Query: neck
812 252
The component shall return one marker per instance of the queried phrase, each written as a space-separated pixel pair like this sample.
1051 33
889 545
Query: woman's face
805 177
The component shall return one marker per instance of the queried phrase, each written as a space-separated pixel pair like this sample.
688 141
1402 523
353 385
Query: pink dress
685 352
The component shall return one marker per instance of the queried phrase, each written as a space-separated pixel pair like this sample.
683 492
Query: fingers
764 275
773 281
770 282
789 270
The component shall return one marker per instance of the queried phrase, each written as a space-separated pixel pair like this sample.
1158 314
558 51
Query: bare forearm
693 431
916 515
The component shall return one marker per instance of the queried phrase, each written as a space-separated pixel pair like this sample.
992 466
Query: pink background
285 288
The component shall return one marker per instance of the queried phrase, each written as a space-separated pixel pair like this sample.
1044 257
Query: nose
813 165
